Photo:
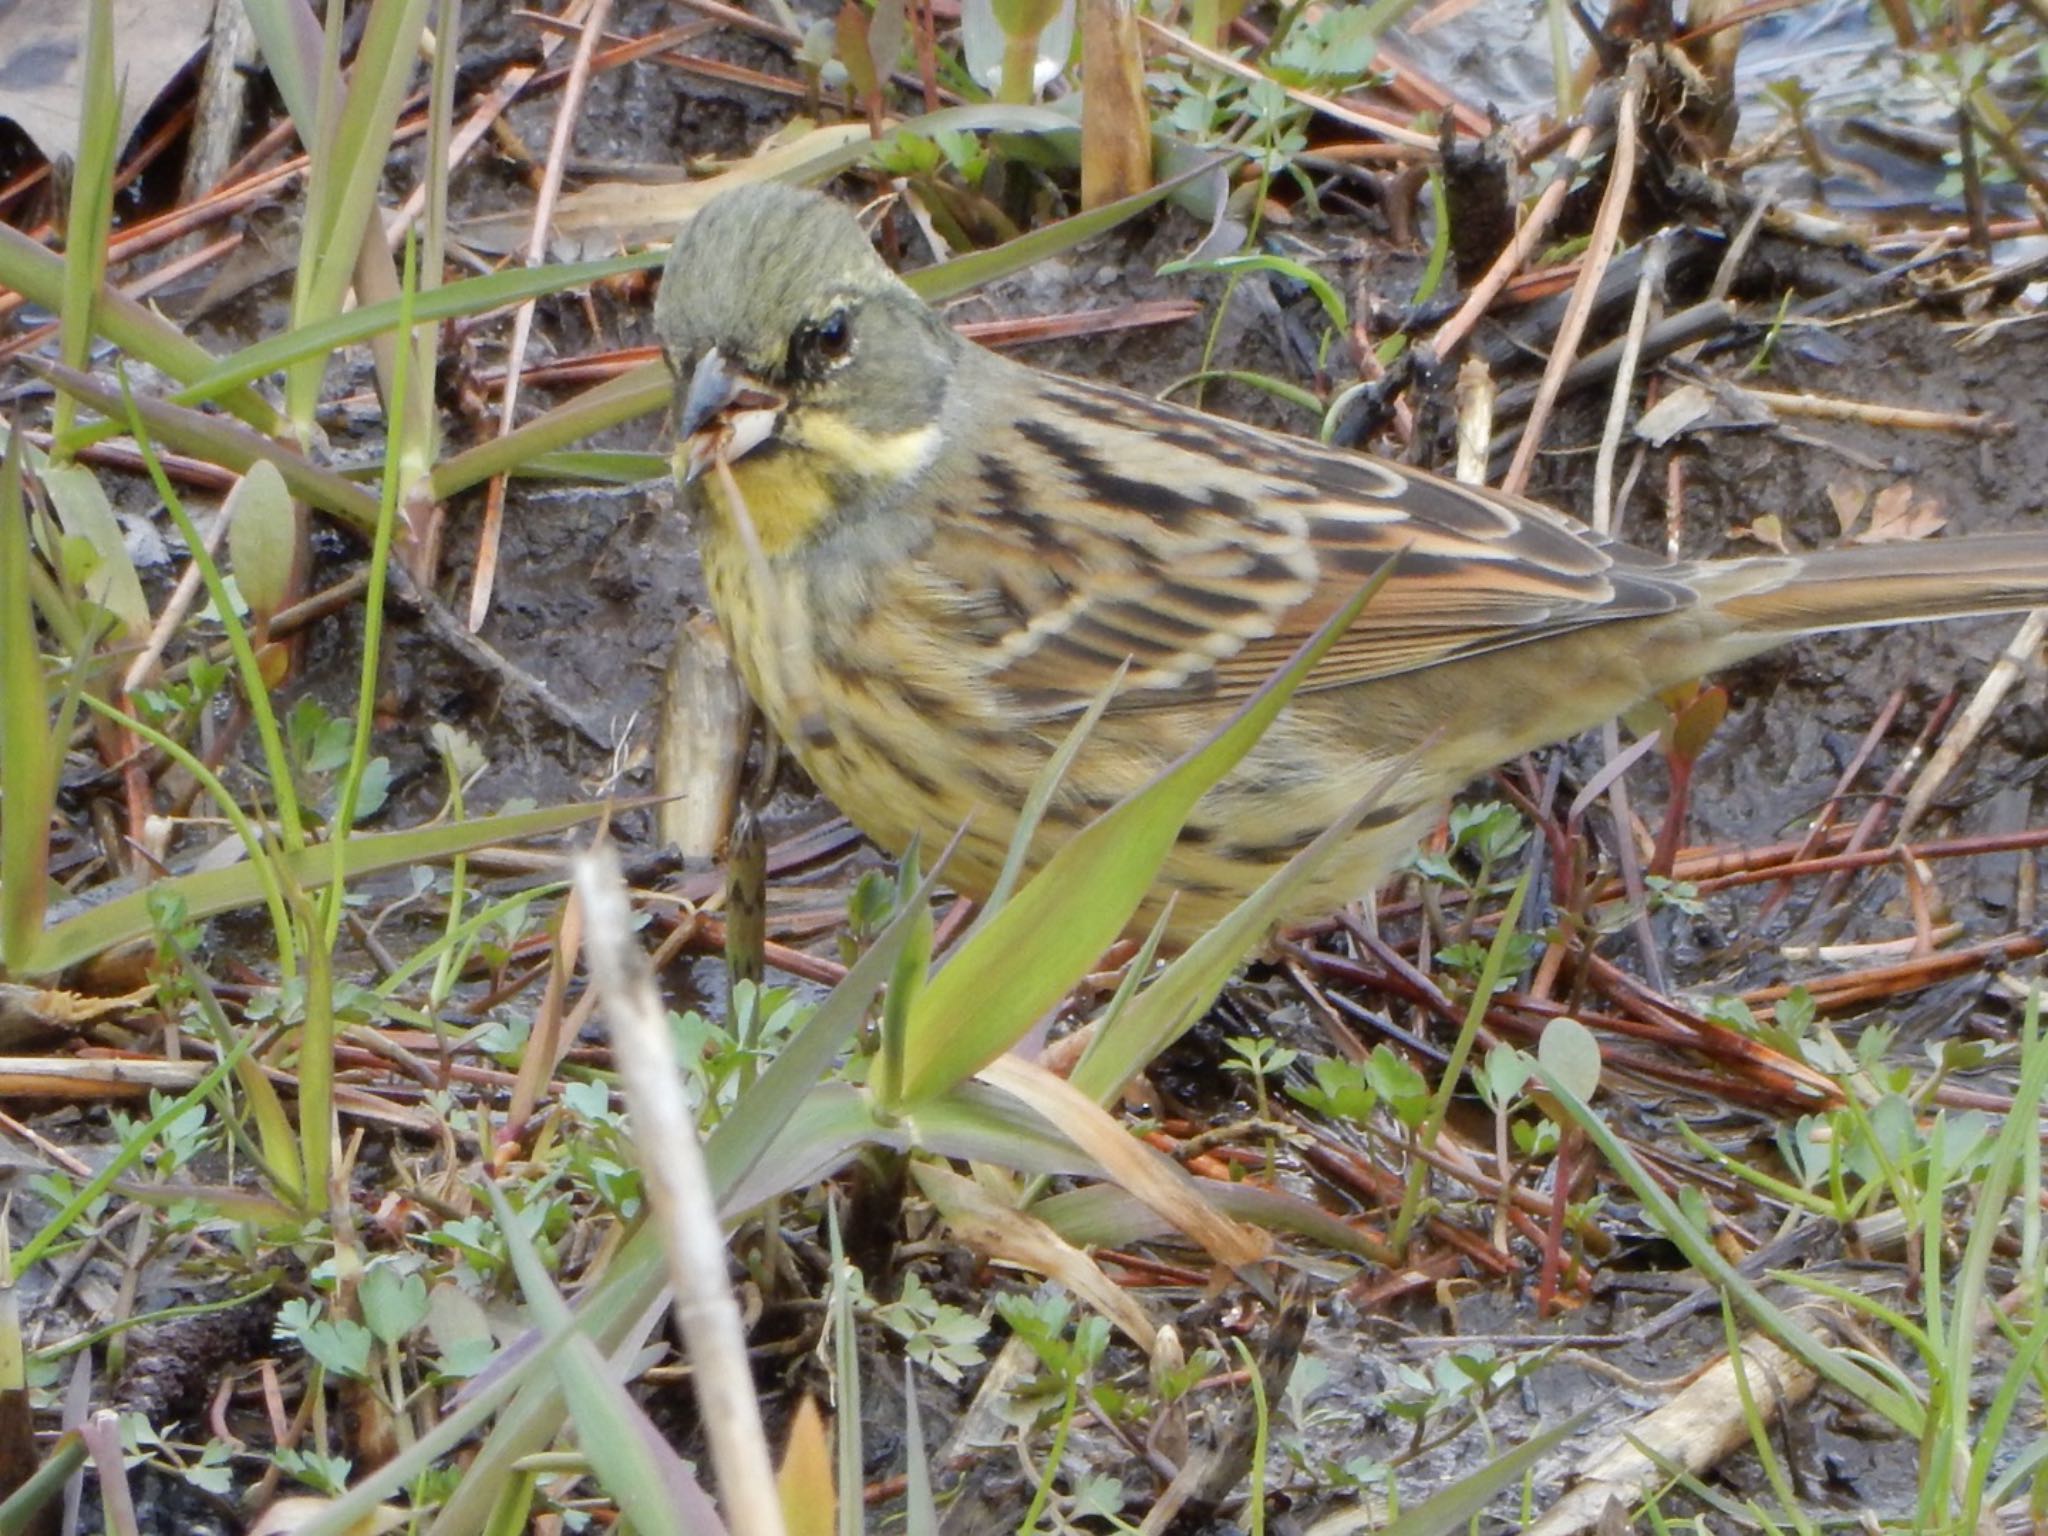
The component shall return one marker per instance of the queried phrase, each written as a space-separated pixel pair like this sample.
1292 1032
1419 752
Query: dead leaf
1768 529
804 1480
1899 512
25 1007
609 216
288 1514
42 52
1849 498
1016 1237
1685 407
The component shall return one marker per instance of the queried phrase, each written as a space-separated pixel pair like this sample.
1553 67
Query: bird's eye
826 341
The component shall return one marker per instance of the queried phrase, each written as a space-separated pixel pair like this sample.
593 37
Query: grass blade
38 276
26 762
224 443
633 393
1704 1256
91 213
1159 1014
207 893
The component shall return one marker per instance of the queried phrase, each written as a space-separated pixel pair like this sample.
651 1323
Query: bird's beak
725 414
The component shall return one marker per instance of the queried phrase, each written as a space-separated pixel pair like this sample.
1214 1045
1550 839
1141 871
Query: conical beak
725 413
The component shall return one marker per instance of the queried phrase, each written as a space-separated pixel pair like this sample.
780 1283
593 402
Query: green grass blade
1265 383
1699 1249
1043 787
1159 1014
621 1304
1458 1506
207 893
223 443
621 1447
739 1140
255 691
27 780
38 276
634 393
259 863
353 170
21 1513
1294 271
473 296
605 466
126 1156
91 213
2007 1170
920 1508
292 46
356 1510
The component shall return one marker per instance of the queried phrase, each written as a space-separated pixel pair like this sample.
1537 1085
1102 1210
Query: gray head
784 328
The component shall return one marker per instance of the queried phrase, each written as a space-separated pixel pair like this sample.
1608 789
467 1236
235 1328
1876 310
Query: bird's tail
1860 585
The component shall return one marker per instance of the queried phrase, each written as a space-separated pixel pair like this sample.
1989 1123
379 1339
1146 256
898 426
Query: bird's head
791 341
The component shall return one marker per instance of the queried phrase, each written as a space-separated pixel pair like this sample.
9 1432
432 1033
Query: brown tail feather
1865 584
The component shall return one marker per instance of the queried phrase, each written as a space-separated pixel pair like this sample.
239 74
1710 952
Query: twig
471 133
1824 820
522 322
1871 413
1452 333
2021 655
450 631
174 609
686 1208
1648 296
1865 858
1882 981
1475 397
1599 251
1874 816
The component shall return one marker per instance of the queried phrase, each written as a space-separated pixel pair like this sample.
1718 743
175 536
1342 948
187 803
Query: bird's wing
1095 528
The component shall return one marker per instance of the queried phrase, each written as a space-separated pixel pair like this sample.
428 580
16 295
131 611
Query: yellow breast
786 496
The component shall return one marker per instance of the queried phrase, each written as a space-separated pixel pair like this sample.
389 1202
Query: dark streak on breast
929 702
871 745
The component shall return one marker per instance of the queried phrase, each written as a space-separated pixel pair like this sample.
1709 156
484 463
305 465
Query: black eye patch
819 345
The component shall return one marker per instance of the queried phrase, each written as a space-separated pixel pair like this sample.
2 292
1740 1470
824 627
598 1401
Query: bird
930 560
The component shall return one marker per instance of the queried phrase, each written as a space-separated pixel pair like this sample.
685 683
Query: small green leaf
393 1303
263 540
82 507
1570 1054
1340 44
